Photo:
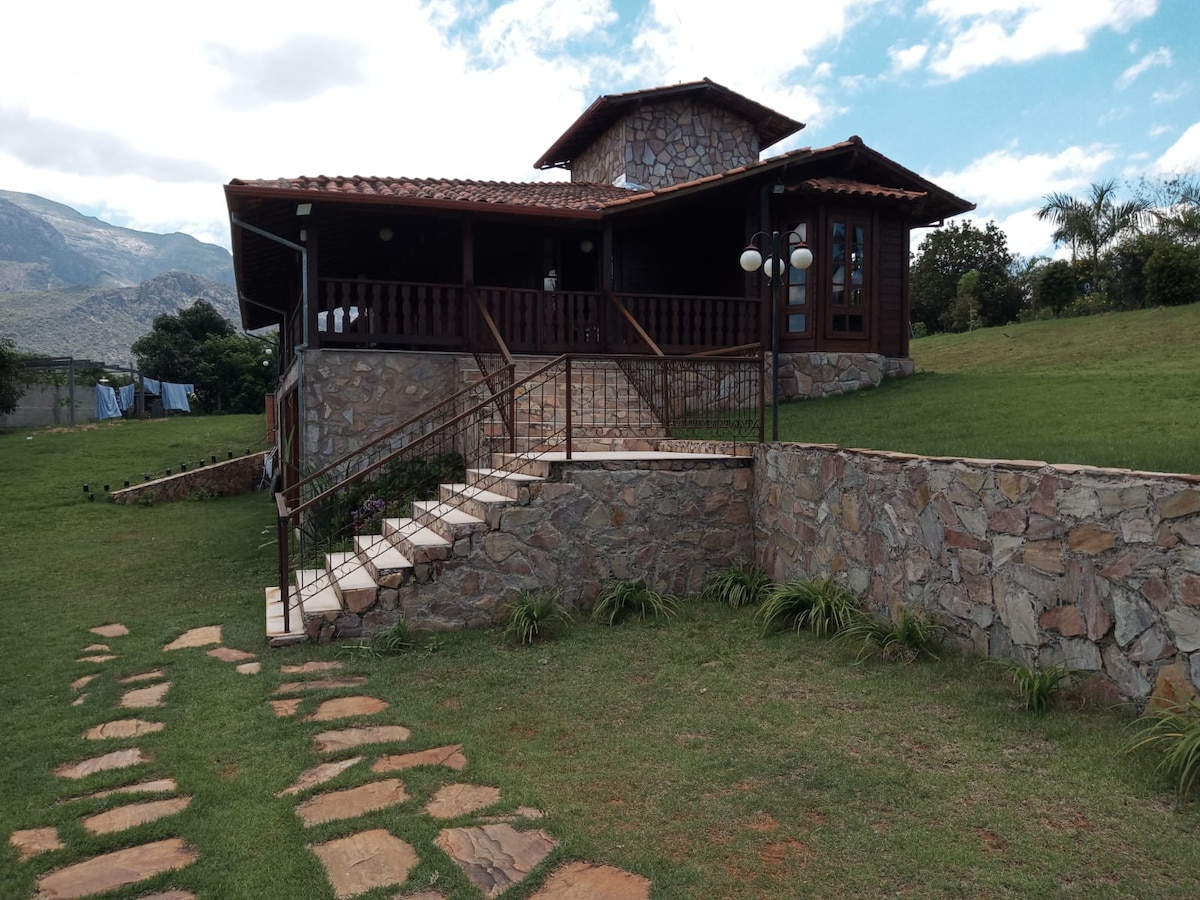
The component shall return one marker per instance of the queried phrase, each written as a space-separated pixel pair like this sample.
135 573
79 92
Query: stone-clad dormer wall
660 144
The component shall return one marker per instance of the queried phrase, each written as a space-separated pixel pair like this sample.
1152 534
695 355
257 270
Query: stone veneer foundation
810 376
1098 569
223 479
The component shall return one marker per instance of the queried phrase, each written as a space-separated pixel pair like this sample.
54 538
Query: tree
198 346
949 253
1054 286
1094 223
12 385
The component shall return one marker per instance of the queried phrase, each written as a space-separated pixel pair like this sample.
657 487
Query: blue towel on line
125 397
106 403
174 396
152 386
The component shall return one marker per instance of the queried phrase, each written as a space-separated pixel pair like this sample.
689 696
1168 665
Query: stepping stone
319 775
124 817
284 708
158 786
102 658
321 684
78 701
586 881
144 698
424 895
250 668
32 841
196 637
351 802
122 728
228 654
495 857
344 707
451 756
455 800
310 667
110 631
83 682
333 741
118 759
114 870
143 676
364 861
92 648
172 895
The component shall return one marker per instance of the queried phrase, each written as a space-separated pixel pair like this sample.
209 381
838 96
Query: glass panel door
848 279
796 311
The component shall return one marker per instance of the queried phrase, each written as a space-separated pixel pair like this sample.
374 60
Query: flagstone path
495 853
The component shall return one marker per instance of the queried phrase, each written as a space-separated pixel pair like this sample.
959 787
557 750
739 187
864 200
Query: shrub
1054 287
1173 275
739 585
535 616
394 641
621 599
1175 733
824 607
1036 687
906 638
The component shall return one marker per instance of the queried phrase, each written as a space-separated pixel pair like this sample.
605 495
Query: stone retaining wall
1098 569
224 479
805 376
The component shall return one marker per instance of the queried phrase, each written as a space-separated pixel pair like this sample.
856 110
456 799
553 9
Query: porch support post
312 291
606 287
470 338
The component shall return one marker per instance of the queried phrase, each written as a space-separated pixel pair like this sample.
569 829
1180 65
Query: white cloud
1005 179
1159 130
1160 57
522 27
1183 155
1114 115
905 59
983 33
1159 98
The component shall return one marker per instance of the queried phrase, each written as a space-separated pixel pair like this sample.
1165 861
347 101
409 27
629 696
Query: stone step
451 523
387 565
478 502
353 583
276 636
514 485
317 593
418 543
525 465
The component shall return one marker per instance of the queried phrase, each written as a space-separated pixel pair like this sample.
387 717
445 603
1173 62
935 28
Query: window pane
797 295
797 322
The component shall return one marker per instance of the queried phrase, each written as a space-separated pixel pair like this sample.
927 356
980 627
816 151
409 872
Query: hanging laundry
125 396
106 403
152 386
175 396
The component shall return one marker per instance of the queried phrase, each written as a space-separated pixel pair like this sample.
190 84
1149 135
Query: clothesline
110 403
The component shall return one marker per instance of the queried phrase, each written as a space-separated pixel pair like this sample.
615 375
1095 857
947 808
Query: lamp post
776 269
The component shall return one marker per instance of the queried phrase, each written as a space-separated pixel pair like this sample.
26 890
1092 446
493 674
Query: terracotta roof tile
831 184
557 195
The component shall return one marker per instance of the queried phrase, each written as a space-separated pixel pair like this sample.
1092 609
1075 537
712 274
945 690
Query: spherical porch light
751 259
802 258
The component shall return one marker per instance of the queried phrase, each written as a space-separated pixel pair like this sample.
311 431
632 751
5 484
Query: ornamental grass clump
1036 687
620 600
823 607
906 638
1174 733
536 616
737 586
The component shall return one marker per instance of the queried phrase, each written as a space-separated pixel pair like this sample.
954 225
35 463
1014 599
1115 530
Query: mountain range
73 285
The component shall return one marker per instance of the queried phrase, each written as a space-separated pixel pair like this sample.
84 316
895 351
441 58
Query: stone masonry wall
673 522
804 376
1095 568
351 396
226 479
661 144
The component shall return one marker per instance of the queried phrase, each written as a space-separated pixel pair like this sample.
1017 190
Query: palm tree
1095 222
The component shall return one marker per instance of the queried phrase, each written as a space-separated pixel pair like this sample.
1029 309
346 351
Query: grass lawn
696 753
1114 390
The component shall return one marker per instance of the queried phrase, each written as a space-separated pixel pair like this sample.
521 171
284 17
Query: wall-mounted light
586 246
303 209
385 234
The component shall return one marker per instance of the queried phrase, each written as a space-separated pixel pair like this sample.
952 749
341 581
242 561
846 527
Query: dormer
663 136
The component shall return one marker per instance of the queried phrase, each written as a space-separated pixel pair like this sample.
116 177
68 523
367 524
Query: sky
138 112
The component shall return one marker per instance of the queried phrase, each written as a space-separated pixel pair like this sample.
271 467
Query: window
847 279
796 312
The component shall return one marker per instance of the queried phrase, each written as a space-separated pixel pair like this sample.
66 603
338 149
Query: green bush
620 600
1054 287
1173 275
1175 733
1036 687
535 616
906 638
739 585
824 607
